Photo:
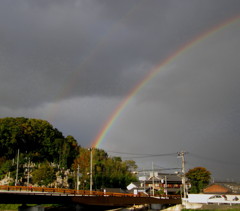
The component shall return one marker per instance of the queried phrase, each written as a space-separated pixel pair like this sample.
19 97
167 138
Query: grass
9 206
226 209
15 206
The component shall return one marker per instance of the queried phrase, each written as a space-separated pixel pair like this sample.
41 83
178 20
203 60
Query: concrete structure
196 200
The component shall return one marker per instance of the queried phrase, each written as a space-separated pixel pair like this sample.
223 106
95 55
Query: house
162 183
223 188
168 183
133 185
136 188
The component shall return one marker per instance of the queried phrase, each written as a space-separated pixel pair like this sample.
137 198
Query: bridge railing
77 192
62 191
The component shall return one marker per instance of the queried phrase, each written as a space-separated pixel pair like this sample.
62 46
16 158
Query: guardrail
63 191
78 192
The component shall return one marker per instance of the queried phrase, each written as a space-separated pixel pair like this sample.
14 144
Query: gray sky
72 62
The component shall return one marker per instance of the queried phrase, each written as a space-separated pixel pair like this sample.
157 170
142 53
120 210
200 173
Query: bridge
39 195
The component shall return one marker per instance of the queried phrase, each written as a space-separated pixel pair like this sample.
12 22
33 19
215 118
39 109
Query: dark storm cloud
71 62
45 44
192 104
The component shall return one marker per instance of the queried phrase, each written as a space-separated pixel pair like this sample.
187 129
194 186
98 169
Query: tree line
45 154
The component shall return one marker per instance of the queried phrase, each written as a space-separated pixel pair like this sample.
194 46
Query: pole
182 154
153 179
28 172
78 177
144 182
16 180
91 182
166 191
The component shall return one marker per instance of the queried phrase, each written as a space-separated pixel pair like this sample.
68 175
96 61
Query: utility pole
28 173
91 169
144 181
181 155
16 180
166 188
153 178
78 177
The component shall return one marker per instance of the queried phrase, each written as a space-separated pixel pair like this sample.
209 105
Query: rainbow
152 73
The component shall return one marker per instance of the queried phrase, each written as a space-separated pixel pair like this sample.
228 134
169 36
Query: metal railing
77 192
62 191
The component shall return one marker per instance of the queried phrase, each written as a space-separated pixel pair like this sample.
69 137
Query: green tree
107 171
131 165
5 167
44 175
39 142
37 139
199 178
113 172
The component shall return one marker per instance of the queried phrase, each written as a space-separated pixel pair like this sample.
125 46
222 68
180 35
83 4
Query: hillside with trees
47 158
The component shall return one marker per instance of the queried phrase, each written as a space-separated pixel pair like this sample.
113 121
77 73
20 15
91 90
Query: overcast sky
72 62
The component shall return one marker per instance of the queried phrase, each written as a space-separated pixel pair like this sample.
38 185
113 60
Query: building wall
205 198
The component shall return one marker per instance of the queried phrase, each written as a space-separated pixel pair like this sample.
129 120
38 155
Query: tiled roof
223 188
216 188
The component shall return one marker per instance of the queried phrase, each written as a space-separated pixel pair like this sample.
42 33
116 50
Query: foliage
5 167
16 206
44 175
107 172
44 146
9 206
199 178
36 139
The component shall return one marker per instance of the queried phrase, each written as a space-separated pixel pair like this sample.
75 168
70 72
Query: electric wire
140 155
159 169
225 162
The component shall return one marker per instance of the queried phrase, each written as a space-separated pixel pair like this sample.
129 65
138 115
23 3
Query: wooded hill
51 154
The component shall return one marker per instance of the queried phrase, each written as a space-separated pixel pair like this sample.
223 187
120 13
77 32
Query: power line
160 169
214 160
140 155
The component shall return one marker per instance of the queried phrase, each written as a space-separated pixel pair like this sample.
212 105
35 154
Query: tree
5 167
199 178
41 143
44 175
37 139
107 171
